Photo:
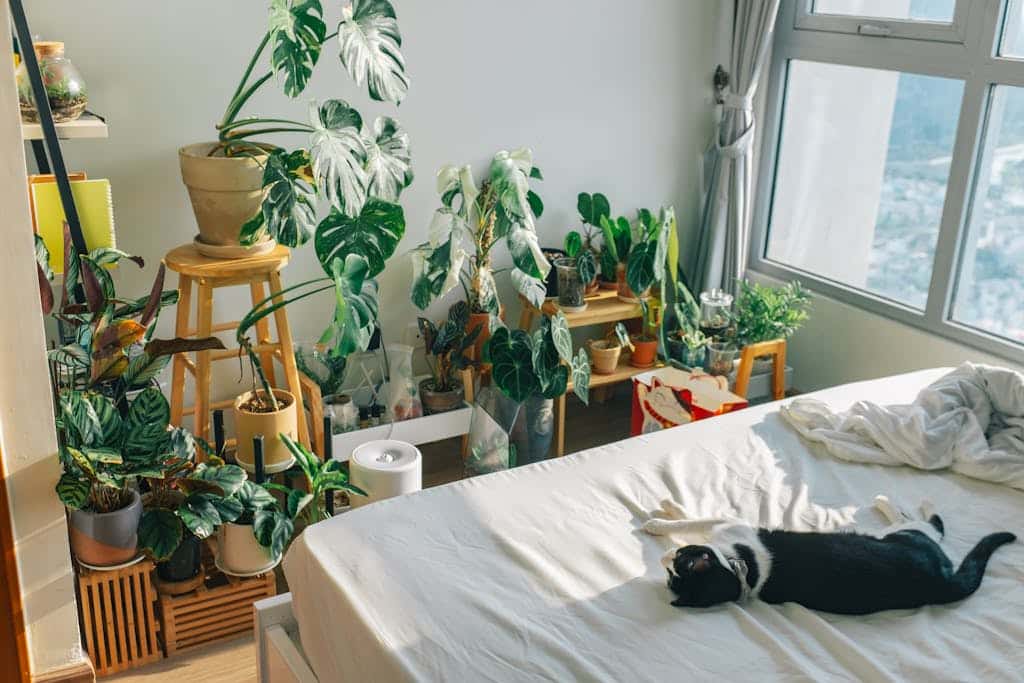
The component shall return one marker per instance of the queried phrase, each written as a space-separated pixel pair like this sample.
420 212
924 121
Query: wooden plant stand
603 308
118 619
219 609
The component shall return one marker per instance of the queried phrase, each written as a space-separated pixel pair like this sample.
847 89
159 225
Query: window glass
990 293
861 176
914 10
1011 44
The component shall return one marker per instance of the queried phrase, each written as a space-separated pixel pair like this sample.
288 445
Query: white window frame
974 61
952 32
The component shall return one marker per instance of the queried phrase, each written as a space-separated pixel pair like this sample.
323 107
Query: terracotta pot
482 320
435 402
605 356
104 539
607 284
626 294
225 191
276 457
645 352
570 288
592 287
239 553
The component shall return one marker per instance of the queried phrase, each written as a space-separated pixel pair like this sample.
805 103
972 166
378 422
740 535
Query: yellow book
95 211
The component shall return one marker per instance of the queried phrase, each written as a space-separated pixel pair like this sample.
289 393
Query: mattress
542 573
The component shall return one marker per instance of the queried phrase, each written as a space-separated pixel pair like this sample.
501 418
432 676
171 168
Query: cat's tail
972 569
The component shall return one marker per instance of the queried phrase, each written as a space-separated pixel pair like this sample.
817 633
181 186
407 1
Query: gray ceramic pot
107 538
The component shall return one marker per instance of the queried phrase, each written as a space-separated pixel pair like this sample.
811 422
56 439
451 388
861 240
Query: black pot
551 283
183 564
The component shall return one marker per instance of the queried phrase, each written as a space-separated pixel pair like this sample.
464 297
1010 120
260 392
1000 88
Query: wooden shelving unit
87 126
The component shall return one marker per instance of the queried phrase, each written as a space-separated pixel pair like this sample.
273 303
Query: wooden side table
207 274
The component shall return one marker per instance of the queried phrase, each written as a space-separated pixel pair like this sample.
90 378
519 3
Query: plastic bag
403 392
490 450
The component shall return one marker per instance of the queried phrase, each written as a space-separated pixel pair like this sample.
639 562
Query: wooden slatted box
118 618
219 609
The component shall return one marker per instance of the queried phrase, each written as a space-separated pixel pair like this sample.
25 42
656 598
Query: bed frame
279 656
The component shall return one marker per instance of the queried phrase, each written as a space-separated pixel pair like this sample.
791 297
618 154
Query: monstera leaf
373 235
370 49
288 212
592 208
526 252
338 154
355 314
297 31
387 160
580 366
511 354
430 272
160 533
532 288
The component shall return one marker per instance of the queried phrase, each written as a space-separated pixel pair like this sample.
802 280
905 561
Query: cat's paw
657 526
673 510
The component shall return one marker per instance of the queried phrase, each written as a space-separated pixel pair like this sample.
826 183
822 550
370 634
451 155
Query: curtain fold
721 254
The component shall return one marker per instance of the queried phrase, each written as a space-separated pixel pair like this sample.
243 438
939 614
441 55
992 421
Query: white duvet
542 573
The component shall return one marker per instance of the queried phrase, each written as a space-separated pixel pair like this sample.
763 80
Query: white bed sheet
541 573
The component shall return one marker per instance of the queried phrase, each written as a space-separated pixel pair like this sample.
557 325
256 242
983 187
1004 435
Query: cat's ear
678 602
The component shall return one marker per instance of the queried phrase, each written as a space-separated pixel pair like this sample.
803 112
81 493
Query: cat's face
698 578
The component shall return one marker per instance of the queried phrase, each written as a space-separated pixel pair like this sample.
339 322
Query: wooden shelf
87 126
623 371
602 307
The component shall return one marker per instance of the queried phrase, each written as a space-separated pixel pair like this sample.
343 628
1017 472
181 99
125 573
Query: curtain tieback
734 101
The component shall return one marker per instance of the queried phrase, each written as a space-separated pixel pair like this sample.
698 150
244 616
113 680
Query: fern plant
763 313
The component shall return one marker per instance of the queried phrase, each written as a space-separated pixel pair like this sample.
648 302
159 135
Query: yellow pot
276 456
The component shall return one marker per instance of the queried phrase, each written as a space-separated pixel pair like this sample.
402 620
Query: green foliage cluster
762 313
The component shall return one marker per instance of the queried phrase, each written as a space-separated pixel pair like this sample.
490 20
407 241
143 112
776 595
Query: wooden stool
776 349
209 274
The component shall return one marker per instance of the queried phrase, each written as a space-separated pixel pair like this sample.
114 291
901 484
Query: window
892 166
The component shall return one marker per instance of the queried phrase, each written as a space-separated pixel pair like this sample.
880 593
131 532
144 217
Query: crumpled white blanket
970 421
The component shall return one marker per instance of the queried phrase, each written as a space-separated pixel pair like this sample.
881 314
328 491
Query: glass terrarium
64 86
714 313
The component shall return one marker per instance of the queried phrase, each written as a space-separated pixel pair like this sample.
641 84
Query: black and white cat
845 573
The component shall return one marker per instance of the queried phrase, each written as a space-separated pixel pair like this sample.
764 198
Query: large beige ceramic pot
238 551
248 424
225 191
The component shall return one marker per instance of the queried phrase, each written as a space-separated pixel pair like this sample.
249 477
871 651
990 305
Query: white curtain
721 255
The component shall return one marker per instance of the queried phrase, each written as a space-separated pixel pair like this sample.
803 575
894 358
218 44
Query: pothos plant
540 364
360 169
471 222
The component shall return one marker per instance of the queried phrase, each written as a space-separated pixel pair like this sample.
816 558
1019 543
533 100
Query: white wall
612 97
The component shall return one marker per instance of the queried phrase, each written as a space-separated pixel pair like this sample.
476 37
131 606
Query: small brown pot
607 284
645 352
225 191
435 402
605 356
626 294
591 288
248 424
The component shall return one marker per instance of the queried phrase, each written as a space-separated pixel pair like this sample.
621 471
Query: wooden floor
235 661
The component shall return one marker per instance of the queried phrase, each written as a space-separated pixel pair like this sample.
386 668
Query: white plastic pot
239 553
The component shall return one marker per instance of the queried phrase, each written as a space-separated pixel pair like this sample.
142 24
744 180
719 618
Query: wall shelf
86 126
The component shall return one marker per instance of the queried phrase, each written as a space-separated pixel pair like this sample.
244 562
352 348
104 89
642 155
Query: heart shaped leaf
374 235
511 354
581 376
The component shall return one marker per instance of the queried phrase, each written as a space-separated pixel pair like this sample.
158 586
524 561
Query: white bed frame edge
279 656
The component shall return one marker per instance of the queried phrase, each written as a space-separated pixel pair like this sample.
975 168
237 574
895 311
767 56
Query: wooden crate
117 617
220 608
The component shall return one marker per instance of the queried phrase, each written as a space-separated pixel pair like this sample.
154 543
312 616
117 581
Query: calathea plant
187 497
447 344
472 220
540 364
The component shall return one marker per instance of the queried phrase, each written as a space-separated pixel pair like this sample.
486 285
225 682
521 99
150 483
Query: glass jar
720 359
64 86
714 313
344 412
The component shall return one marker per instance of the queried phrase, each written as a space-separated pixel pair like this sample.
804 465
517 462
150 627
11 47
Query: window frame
975 62
953 32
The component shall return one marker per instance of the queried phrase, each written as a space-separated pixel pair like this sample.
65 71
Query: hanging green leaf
373 235
297 31
526 252
512 358
146 423
560 336
371 49
338 155
581 376
73 491
288 212
355 311
388 160
160 533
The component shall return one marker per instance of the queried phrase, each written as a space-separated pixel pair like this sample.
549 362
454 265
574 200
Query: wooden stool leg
468 390
184 314
291 370
263 332
204 328
560 425
779 372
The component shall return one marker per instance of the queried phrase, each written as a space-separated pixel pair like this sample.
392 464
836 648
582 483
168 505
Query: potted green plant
112 423
532 370
184 505
687 343
447 345
592 208
606 352
255 541
466 229
619 239
245 190
576 271
761 313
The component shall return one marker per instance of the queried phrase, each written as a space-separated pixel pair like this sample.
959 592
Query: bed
542 573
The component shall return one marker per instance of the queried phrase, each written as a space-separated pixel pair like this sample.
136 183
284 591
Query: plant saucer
245 575
233 251
108 568
269 469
